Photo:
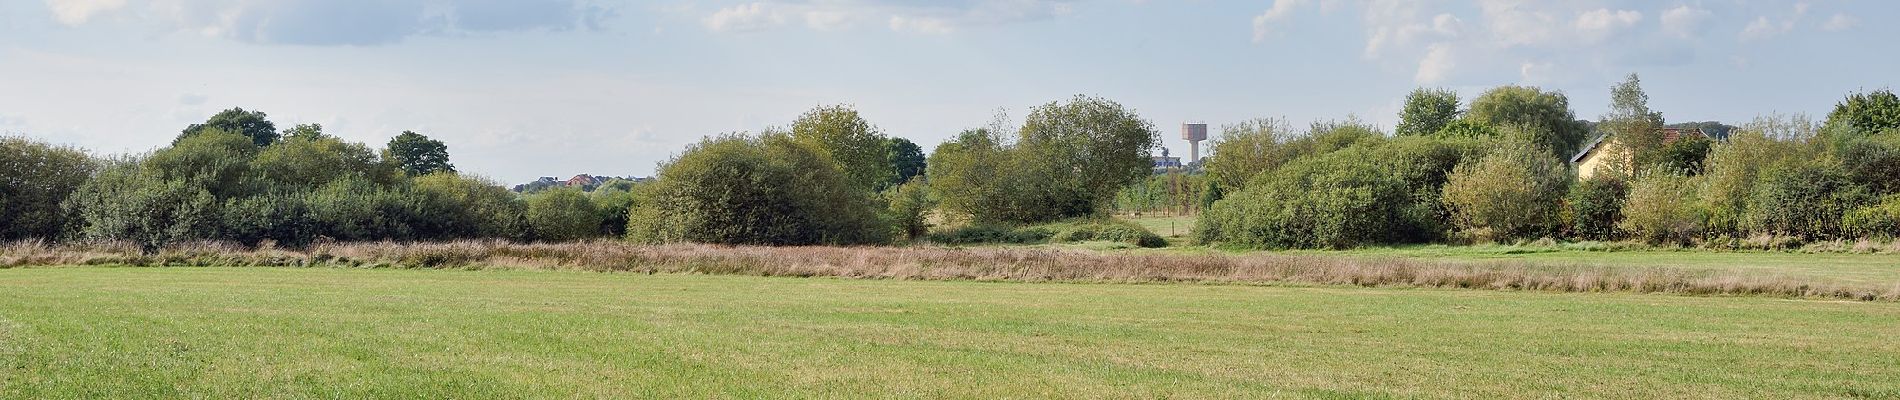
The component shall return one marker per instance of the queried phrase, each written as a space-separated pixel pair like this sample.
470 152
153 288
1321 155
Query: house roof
1670 135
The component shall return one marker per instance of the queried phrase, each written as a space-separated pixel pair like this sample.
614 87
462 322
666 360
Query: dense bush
35 178
1803 198
1513 192
1551 124
124 202
1663 208
909 208
563 215
768 189
1339 200
1069 160
987 233
1594 207
1881 220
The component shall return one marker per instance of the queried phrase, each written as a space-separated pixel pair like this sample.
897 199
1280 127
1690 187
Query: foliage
418 155
768 189
307 162
1732 168
991 234
1069 161
214 160
1339 200
845 137
1873 161
1249 148
563 215
251 124
1879 220
1662 208
1546 112
1634 127
909 208
126 202
908 160
35 178
1867 113
1426 112
1594 207
1803 198
1684 156
467 206
1513 192
1467 129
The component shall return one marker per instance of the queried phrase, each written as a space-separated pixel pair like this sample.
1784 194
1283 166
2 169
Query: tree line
1495 168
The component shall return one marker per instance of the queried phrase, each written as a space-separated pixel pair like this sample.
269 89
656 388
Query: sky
520 89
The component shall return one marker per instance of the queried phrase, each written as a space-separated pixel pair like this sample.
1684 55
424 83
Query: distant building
1598 154
1165 163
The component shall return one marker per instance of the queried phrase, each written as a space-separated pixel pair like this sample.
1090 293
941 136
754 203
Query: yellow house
1599 153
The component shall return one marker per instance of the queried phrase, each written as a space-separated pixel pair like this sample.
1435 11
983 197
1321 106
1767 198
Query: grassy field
350 333
1837 267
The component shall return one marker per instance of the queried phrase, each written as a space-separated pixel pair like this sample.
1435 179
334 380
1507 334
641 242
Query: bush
1594 207
1340 200
1069 160
1803 198
992 234
767 189
1732 169
1513 192
909 210
1663 208
1881 220
468 206
125 202
35 178
563 215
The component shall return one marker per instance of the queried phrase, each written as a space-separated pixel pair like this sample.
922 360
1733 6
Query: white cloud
1515 23
1602 23
75 12
745 17
827 20
1840 22
1761 28
1684 21
1263 23
326 22
1436 65
923 25
1533 73
903 15
1399 24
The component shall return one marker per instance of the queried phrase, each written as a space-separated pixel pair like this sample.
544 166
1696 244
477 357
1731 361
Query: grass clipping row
942 263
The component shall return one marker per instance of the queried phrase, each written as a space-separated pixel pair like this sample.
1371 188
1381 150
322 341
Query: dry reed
940 263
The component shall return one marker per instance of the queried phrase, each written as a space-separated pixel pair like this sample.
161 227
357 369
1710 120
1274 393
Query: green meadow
350 333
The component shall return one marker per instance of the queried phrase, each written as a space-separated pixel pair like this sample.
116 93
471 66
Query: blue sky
526 88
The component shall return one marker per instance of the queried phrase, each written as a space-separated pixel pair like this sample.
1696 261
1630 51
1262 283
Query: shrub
35 178
563 215
469 206
1069 160
1880 220
1802 198
909 210
1513 192
1733 167
1340 200
1594 207
1662 208
767 189
125 202
994 234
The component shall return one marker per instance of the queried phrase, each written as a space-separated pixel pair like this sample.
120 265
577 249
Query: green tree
563 215
303 131
1733 168
468 206
1084 151
251 124
910 205
1634 127
1867 113
1513 192
215 160
35 178
1249 148
1427 111
1684 156
418 155
1338 200
857 146
125 201
1803 198
768 189
907 158
1548 112
303 163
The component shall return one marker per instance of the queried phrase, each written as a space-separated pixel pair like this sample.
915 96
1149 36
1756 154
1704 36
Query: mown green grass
264 332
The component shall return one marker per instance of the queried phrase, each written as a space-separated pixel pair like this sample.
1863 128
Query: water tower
1194 133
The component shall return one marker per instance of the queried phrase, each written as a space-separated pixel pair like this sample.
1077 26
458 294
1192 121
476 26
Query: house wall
1596 160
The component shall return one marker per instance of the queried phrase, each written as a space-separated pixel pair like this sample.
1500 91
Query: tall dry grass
938 263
